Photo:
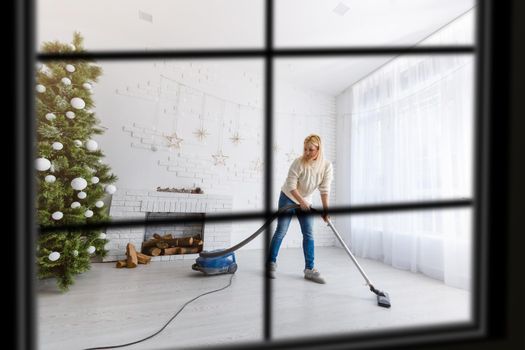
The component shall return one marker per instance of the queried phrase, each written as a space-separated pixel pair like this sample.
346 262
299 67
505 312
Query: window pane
346 23
153 25
423 260
153 136
108 306
394 128
411 131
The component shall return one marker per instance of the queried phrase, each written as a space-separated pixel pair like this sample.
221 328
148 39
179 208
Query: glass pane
153 25
126 138
422 260
347 23
393 128
116 299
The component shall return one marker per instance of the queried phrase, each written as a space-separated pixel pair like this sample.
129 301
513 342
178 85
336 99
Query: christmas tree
71 178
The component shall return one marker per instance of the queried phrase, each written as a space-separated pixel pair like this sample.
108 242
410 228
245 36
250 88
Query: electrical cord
167 323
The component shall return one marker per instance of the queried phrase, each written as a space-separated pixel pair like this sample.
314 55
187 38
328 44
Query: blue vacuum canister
216 266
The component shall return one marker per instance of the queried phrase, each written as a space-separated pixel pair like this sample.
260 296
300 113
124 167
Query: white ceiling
366 23
116 25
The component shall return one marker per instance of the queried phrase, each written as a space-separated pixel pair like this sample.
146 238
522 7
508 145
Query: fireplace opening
175 238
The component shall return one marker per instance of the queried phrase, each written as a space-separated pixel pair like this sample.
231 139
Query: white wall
129 107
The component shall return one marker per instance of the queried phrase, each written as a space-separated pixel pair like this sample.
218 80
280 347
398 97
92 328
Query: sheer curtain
411 136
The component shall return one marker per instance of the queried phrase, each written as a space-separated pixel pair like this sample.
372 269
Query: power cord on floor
167 323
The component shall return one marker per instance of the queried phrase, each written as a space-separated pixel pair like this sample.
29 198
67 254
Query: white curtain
411 139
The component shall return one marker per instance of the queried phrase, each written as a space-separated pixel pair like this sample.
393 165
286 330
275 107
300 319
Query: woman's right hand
305 206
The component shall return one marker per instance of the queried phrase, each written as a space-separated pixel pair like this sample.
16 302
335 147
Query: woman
308 172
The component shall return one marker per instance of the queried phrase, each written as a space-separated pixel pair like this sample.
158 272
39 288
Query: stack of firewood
133 258
167 245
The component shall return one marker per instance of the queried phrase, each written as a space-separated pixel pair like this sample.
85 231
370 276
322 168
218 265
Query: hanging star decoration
236 138
291 155
258 164
201 133
220 158
174 141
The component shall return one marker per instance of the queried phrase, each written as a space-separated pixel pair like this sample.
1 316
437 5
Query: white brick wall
128 203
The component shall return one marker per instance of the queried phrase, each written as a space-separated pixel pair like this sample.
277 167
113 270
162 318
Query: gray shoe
272 267
313 275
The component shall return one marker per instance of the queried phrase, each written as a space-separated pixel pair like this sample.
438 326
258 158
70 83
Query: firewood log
121 264
132 260
189 250
171 251
162 245
143 258
153 251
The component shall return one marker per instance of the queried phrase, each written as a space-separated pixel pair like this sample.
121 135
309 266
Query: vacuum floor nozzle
383 300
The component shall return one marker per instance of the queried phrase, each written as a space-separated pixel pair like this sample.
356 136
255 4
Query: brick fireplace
137 204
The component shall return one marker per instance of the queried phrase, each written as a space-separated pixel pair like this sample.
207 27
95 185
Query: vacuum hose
216 254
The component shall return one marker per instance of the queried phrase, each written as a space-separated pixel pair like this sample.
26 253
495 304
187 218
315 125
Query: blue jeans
306 222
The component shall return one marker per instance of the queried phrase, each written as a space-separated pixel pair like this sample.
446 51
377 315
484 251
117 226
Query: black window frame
488 189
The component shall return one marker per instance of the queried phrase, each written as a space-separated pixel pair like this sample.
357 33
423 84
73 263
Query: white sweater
305 179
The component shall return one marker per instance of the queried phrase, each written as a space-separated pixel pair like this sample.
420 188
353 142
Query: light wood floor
109 306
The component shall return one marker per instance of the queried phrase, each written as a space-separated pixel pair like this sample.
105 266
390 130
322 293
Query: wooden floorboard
109 306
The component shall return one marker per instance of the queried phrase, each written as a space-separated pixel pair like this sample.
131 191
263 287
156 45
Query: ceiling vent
341 9
145 16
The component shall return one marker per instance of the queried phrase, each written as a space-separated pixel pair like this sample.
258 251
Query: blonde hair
315 140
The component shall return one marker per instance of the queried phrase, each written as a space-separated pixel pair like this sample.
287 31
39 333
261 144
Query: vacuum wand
368 282
382 297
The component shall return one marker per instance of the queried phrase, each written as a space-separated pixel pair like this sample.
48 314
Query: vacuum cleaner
222 261
216 265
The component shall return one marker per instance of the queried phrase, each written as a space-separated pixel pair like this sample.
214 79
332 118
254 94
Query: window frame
487 130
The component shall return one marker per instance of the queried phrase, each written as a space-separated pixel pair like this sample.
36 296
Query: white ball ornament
99 204
40 88
79 183
54 256
42 164
72 47
91 145
75 252
66 81
87 86
70 115
102 236
110 189
91 249
75 205
57 146
57 215
77 103
77 143
88 213
70 68
50 179
82 195
95 180
51 116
